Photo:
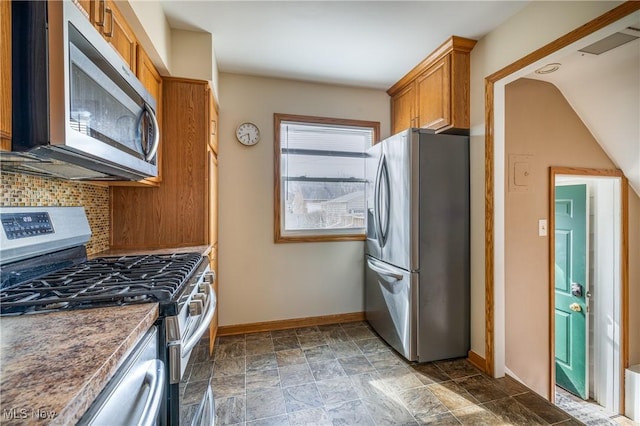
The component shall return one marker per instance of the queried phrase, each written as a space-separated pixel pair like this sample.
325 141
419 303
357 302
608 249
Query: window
319 177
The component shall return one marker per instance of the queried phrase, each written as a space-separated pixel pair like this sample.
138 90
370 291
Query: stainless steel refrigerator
417 250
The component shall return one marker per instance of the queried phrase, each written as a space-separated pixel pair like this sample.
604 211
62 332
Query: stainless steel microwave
78 110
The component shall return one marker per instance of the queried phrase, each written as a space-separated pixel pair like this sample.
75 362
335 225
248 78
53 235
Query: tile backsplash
25 190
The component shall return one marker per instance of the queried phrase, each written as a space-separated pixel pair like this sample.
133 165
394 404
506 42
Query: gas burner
106 281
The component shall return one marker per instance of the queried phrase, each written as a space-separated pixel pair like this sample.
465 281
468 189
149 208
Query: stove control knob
210 277
199 296
195 307
203 287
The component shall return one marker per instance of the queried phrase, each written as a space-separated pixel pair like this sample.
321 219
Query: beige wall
562 140
152 30
178 53
260 280
514 39
191 54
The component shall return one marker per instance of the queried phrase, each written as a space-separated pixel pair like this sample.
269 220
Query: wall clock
248 134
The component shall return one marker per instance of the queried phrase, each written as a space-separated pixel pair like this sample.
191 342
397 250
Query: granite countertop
204 249
52 366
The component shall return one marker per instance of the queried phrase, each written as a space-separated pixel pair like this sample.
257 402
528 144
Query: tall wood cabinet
212 156
435 94
183 210
176 213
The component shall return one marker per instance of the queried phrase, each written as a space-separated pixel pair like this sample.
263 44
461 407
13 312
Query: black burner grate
106 281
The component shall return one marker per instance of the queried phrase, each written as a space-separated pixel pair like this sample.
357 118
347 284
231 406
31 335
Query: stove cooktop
105 281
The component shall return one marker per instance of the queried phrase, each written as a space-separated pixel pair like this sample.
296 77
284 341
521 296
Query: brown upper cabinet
106 17
435 94
182 211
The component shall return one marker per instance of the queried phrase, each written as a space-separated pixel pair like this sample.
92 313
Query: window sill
318 238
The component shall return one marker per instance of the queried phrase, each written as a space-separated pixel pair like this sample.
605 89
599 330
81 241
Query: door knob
575 307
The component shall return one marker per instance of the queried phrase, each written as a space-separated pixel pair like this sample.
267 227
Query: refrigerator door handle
383 271
387 202
383 173
376 203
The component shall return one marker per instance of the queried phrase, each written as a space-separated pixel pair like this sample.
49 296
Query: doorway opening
495 181
586 286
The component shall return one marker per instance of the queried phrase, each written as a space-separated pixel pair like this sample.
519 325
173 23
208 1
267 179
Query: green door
570 288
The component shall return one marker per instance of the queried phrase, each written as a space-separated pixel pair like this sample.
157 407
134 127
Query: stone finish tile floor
344 374
589 412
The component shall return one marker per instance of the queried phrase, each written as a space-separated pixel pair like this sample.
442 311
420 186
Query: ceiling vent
609 43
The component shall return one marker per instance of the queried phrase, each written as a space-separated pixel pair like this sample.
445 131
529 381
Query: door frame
624 269
494 248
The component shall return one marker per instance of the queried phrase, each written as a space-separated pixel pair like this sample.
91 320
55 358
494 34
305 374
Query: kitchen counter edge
53 366
203 249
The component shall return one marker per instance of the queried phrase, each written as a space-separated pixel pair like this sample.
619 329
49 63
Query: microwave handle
156 133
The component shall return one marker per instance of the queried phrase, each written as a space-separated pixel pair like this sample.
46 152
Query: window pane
323 205
322 177
320 166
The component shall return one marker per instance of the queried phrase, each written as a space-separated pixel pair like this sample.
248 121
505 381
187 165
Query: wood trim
477 361
276 178
488 230
582 171
228 330
330 120
579 33
598 23
452 44
277 119
321 238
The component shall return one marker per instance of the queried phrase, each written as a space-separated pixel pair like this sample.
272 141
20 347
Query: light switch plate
542 227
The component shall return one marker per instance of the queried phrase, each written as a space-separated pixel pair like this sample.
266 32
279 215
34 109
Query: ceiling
374 43
604 90
356 43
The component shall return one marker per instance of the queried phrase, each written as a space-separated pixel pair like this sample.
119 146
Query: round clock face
248 134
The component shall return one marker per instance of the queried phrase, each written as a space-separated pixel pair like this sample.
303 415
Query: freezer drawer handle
384 271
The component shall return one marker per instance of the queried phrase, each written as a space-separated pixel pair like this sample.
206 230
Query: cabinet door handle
110 32
101 13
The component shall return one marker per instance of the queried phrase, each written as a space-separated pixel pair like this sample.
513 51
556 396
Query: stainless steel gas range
44 268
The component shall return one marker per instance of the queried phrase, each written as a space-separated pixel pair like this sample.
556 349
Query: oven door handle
154 379
203 325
